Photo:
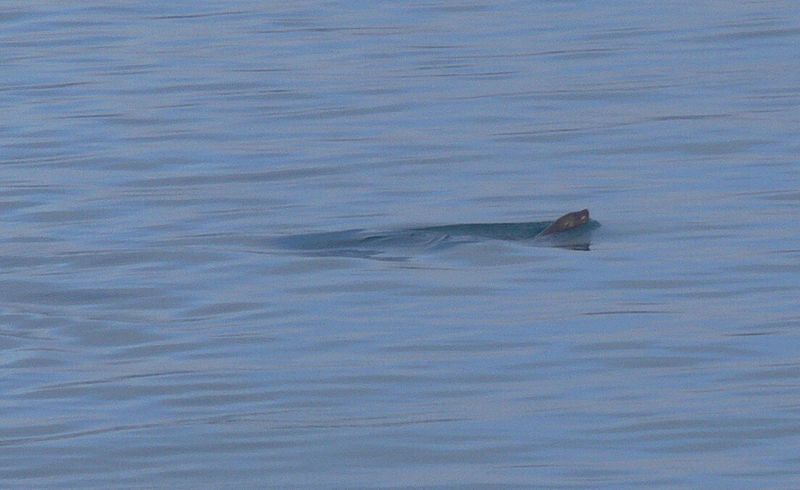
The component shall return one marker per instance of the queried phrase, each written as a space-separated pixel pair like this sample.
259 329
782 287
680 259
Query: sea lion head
568 222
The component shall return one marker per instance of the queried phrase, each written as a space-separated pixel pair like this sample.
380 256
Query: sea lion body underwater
572 231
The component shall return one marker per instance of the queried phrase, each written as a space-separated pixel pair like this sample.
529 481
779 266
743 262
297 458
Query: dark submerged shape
571 231
567 222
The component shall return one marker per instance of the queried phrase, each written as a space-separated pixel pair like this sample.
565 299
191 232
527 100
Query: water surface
154 335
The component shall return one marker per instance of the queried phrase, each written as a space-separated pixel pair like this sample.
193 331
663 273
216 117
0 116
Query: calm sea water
157 331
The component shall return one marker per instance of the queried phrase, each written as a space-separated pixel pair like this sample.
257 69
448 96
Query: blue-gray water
153 155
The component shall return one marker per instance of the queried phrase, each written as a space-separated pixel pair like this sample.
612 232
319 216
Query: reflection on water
180 308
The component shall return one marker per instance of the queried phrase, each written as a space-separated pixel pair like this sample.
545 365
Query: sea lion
567 222
571 231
